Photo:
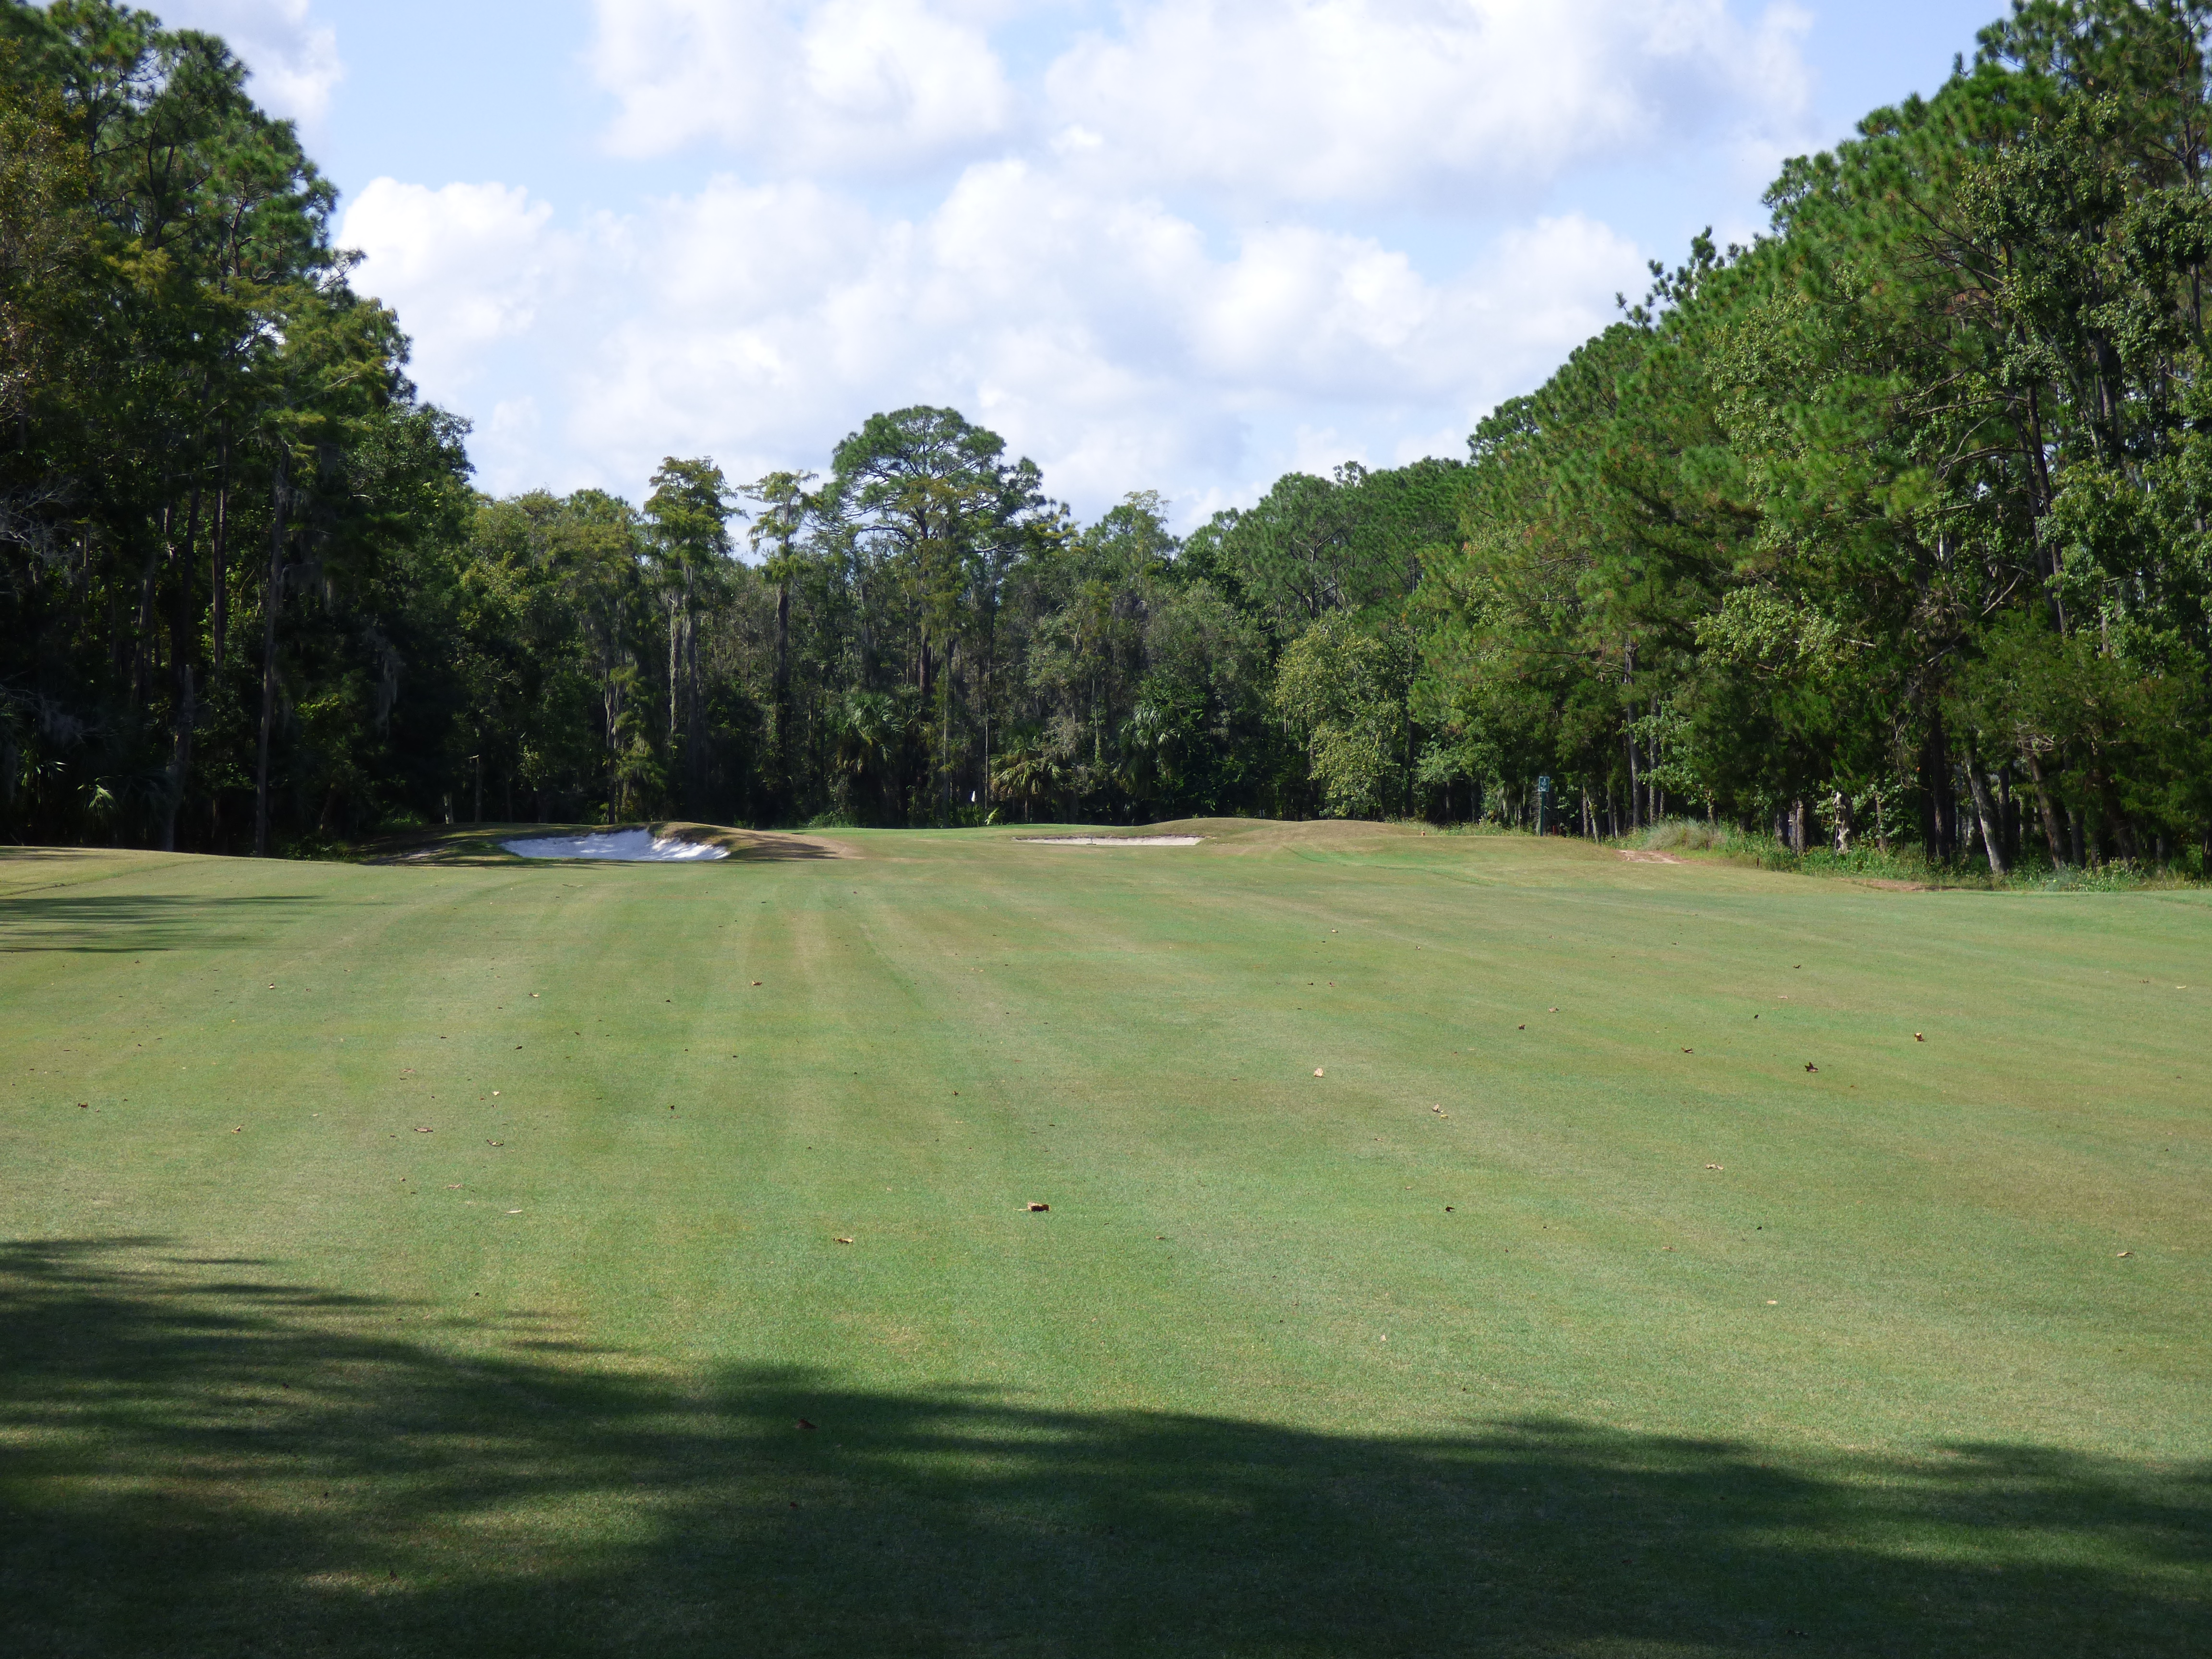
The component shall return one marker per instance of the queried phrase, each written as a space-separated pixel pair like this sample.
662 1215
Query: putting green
1466 1244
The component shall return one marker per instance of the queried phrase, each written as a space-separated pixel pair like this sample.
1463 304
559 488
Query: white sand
1109 841
625 846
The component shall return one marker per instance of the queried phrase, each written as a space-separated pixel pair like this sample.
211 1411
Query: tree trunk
695 750
1628 738
219 576
783 701
2052 834
181 758
1658 796
1839 806
270 596
1985 809
2008 814
180 655
1935 790
675 684
611 696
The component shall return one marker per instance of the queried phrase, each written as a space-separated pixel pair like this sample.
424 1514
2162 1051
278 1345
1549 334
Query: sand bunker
1109 841
625 846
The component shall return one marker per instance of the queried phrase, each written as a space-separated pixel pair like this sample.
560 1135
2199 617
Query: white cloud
464 266
1432 101
885 87
760 323
1151 262
295 59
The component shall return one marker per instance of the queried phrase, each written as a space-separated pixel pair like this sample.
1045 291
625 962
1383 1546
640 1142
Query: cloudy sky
1183 246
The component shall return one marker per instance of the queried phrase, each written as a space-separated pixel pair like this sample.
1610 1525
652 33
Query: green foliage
1891 524
1889 528
1344 691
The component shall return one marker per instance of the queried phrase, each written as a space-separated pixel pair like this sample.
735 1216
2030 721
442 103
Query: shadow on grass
252 1466
127 922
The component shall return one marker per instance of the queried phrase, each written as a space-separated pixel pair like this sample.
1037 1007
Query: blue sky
1181 247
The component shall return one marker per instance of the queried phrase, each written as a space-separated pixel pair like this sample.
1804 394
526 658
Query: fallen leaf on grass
2127 1252
1916 1037
1810 1066
844 1241
1687 1051
1317 1071
804 1424
421 1129
452 1186
1550 1011
239 1130
494 1143
1034 1208
1520 1028
514 1213
1712 1166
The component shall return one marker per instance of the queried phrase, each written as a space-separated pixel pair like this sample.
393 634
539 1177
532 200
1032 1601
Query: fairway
1455 1243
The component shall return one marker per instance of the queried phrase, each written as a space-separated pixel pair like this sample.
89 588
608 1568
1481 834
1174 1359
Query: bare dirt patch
1650 858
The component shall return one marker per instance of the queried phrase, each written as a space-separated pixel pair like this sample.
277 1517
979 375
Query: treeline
920 636
1894 526
223 515
1891 527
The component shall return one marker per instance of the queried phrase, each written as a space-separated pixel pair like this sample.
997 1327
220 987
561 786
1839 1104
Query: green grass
1869 860
1294 1364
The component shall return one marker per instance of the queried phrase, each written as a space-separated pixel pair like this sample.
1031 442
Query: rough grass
1869 860
1464 1345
